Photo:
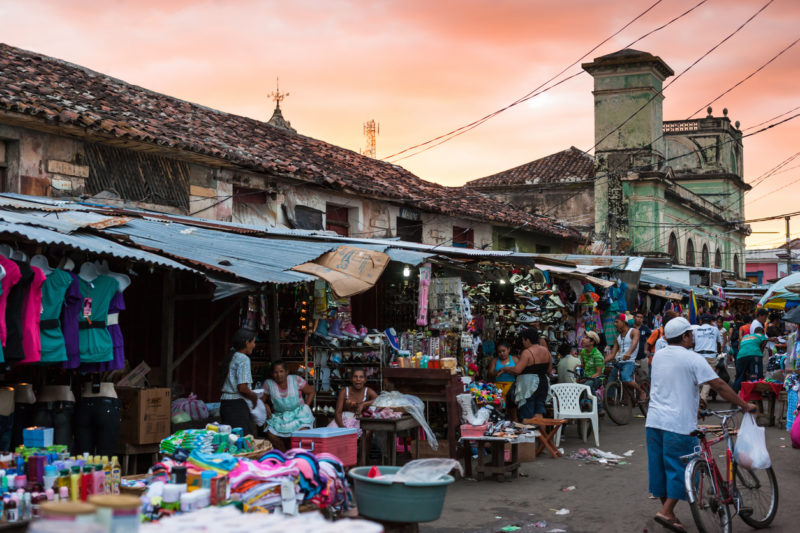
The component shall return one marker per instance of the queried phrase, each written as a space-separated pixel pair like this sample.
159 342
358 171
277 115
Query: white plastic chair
566 404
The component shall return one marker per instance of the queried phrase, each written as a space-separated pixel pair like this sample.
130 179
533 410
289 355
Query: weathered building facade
671 188
68 131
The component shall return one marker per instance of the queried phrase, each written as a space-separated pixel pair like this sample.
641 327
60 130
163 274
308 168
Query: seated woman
503 359
533 366
290 411
352 400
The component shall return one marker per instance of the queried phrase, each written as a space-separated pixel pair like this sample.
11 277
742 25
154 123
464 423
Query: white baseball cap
677 327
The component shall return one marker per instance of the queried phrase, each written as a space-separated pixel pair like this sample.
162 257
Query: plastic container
468 430
398 502
68 511
341 442
117 513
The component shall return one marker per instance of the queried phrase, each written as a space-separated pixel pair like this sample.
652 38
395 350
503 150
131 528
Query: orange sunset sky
424 67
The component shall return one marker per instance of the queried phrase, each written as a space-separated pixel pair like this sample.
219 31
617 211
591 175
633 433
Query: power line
773 118
684 71
759 69
541 88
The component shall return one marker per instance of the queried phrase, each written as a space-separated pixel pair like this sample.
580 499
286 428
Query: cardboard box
145 415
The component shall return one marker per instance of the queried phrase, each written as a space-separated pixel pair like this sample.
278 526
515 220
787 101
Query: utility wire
541 88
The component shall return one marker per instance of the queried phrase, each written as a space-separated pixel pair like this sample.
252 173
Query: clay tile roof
570 165
61 93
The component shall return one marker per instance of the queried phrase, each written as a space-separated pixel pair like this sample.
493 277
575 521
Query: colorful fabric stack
486 394
206 441
317 479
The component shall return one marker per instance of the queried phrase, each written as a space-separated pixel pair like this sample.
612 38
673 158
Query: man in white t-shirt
708 343
675 377
760 321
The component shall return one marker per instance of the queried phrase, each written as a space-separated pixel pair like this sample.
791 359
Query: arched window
672 248
689 253
706 259
718 259
736 265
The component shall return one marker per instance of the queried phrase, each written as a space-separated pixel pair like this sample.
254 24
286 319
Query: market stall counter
390 425
430 385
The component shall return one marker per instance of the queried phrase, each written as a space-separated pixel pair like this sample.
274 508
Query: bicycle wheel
645 385
759 492
709 513
618 403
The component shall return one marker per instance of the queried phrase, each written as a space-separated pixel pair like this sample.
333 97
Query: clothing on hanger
31 317
56 291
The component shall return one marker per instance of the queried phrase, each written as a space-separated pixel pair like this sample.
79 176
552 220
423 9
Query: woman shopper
290 396
503 359
533 366
237 398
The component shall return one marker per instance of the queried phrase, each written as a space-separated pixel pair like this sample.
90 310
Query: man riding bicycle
625 347
676 376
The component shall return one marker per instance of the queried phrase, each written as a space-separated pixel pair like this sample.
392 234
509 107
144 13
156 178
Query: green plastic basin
398 502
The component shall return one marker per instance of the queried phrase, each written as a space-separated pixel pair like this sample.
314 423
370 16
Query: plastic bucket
398 502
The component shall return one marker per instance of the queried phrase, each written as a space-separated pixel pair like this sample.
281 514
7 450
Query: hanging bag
751 446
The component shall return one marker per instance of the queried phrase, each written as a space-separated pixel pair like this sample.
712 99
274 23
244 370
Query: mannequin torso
56 393
107 390
23 393
6 401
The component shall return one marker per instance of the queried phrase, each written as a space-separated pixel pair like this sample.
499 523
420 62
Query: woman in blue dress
289 396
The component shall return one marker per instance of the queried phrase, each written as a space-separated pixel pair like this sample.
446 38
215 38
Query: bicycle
619 400
753 493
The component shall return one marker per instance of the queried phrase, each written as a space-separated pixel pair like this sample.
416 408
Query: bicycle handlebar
721 414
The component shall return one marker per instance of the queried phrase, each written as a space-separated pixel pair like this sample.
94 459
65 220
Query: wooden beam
168 326
235 305
274 333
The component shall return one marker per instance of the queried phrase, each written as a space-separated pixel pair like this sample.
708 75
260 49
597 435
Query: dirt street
605 498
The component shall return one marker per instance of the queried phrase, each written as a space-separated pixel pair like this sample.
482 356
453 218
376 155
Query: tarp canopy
782 291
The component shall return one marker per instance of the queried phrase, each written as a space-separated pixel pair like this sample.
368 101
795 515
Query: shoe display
523 318
350 330
391 336
334 329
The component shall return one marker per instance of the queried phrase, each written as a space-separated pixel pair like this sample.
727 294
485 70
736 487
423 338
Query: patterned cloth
290 414
238 373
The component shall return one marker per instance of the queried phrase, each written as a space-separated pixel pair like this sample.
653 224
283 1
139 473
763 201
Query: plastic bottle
50 476
116 475
75 483
170 498
206 477
99 480
10 506
108 474
87 482
63 494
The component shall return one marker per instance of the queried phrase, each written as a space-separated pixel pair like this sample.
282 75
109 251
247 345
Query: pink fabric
11 278
31 313
794 434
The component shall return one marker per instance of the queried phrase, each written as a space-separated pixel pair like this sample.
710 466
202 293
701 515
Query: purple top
73 301
118 362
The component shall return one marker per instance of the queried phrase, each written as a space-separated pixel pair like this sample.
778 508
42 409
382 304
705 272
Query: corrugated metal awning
88 243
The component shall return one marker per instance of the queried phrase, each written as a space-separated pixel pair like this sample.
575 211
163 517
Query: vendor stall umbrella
782 291
793 316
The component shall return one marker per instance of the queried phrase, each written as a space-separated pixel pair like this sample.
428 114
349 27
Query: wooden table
430 385
125 451
494 464
757 392
391 426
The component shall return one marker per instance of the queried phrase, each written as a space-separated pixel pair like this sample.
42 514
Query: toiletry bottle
99 480
75 483
116 475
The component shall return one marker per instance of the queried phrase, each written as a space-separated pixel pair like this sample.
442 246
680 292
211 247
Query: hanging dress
31 318
289 413
54 293
95 340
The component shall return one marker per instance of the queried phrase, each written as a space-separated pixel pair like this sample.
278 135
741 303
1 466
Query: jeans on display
56 415
6 429
23 418
97 422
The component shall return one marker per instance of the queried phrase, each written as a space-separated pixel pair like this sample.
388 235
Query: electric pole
788 248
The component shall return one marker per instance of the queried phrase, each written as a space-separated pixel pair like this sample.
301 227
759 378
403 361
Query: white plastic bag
411 405
751 446
258 414
426 470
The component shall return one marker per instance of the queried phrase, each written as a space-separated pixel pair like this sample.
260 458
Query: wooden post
168 326
274 334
